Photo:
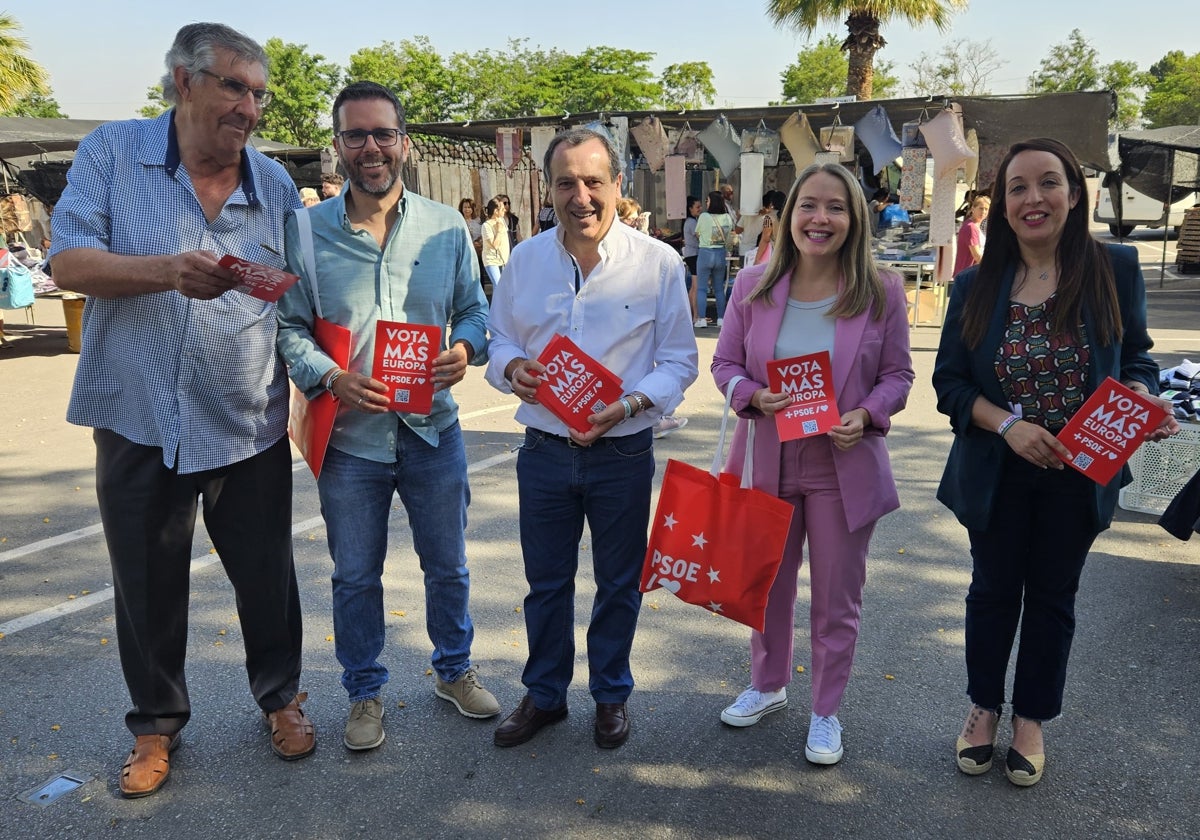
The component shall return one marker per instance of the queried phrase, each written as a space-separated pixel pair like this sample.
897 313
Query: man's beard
378 187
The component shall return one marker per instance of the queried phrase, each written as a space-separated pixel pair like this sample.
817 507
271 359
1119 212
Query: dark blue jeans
1031 556
561 485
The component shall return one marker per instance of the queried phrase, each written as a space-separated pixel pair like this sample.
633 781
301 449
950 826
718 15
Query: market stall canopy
38 152
1161 162
28 136
1079 119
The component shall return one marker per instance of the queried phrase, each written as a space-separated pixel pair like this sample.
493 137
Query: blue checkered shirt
200 379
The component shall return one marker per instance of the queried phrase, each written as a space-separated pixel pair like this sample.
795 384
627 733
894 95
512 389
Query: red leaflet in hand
574 385
257 280
1109 427
404 355
809 379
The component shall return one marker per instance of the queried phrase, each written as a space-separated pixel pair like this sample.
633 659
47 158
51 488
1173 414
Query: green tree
687 85
512 82
1071 65
959 68
20 75
35 105
425 84
302 86
1075 65
819 72
155 104
863 20
606 79
1174 95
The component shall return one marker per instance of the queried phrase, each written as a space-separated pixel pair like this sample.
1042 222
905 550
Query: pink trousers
837 568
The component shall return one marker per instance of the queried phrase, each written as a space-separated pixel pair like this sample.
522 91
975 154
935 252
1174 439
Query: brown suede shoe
526 721
148 765
612 725
292 734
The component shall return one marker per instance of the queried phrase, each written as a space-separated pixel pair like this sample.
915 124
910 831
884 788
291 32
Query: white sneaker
700 323
824 740
720 322
667 425
752 705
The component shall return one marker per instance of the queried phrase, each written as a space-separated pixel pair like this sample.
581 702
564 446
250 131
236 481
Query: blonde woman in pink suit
819 291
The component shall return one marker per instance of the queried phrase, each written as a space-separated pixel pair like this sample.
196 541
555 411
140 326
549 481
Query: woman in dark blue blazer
1030 333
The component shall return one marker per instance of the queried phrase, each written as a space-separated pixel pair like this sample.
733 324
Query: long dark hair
716 203
1085 278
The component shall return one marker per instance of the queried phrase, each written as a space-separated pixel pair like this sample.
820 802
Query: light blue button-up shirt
198 378
426 273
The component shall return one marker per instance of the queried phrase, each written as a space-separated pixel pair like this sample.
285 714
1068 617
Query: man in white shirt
620 296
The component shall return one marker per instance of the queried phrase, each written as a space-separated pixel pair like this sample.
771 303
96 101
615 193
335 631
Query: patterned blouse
1043 373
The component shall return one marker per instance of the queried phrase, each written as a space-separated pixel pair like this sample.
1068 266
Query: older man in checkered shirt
179 379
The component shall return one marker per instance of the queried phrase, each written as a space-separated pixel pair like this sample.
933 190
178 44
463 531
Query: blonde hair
862 287
628 209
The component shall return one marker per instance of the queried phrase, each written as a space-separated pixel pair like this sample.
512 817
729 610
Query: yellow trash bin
73 312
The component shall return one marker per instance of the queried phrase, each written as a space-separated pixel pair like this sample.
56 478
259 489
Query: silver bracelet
333 378
641 401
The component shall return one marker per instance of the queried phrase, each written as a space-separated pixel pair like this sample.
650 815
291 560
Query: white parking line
200 563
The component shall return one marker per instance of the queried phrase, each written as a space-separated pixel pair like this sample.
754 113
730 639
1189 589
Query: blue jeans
560 485
710 267
356 500
493 273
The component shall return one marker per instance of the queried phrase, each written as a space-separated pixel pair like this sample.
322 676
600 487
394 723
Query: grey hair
578 136
194 50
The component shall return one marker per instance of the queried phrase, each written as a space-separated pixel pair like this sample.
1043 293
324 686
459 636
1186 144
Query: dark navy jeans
562 485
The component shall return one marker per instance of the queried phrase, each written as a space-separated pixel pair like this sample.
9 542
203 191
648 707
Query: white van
1138 209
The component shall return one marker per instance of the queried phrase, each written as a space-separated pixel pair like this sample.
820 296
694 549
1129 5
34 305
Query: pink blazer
872 369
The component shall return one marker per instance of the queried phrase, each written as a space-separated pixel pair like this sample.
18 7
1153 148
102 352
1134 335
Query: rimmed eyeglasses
356 138
235 91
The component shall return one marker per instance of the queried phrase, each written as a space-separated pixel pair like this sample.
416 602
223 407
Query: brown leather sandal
148 766
292 733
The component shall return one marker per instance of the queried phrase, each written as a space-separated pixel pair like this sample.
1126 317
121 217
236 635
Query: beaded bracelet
1007 424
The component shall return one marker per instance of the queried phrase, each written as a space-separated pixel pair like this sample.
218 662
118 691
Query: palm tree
19 74
863 18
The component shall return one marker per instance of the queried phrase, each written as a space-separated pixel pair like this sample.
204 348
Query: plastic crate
1160 469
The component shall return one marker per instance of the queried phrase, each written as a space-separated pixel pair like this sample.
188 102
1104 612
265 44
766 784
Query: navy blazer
960 375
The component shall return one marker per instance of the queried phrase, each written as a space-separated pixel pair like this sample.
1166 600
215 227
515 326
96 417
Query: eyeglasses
356 138
235 91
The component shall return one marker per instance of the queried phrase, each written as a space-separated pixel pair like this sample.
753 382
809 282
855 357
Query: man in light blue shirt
179 378
382 253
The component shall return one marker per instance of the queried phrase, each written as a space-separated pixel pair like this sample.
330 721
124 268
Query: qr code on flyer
402 395
809 427
1082 461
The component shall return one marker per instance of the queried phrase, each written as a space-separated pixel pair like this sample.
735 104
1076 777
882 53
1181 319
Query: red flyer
1109 427
575 386
258 280
404 355
809 379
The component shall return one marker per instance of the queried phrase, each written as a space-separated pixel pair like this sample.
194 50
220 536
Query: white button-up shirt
630 313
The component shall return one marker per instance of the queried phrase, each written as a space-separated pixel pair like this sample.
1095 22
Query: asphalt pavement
1122 761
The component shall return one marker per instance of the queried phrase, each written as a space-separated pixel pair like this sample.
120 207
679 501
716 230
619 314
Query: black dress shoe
612 725
526 721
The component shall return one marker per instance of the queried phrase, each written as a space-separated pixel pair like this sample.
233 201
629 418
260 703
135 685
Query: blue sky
101 62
